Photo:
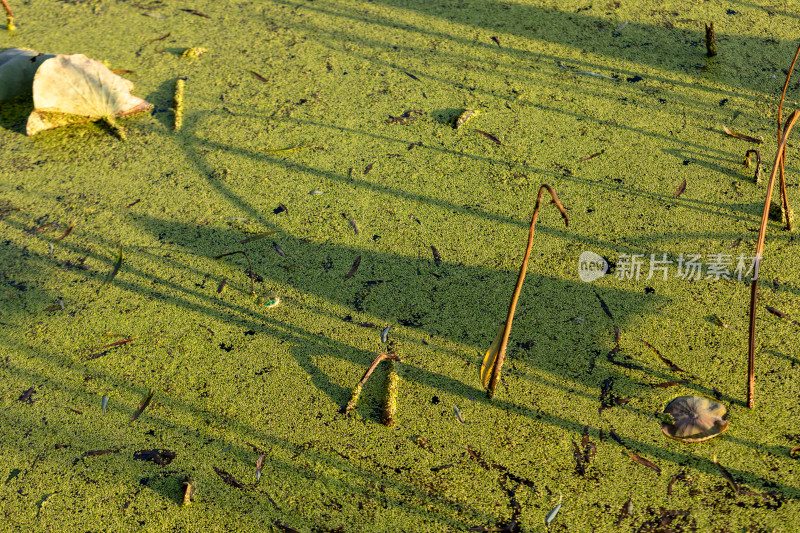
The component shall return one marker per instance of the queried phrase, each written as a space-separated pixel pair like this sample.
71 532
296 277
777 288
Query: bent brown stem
757 175
762 234
501 353
357 389
249 264
787 213
10 26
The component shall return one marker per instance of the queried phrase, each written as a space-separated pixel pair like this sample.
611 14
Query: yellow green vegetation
409 223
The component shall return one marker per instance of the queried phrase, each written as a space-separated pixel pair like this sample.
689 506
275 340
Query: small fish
679 191
411 76
644 462
385 334
353 225
552 514
458 414
368 168
718 321
465 117
25 397
278 249
143 405
104 403
353 268
115 269
316 192
69 230
588 157
259 464
258 76
196 12
437 259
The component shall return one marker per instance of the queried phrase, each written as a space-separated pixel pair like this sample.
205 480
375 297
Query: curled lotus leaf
694 419
72 89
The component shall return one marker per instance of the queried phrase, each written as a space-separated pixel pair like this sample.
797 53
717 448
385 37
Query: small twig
249 264
390 405
762 234
711 41
357 389
787 213
497 363
10 26
177 103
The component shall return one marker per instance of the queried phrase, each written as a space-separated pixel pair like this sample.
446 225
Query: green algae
235 380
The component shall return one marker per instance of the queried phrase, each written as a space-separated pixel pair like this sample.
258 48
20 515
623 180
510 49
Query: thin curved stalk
762 234
496 359
784 198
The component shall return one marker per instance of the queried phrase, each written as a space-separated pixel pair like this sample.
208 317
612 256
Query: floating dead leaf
695 419
644 462
73 89
681 188
188 494
741 136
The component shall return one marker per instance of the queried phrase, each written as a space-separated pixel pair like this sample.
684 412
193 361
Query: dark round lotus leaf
695 419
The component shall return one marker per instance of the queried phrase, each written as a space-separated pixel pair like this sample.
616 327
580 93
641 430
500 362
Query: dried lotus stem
10 26
390 405
493 361
177 104
357 389
762 233
758 163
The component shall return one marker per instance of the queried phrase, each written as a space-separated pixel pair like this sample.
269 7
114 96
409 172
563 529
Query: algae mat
289 127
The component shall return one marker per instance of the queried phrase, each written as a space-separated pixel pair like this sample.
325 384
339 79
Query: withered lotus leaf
72 89
695 419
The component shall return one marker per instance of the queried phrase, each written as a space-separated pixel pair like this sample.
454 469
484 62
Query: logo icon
591 266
